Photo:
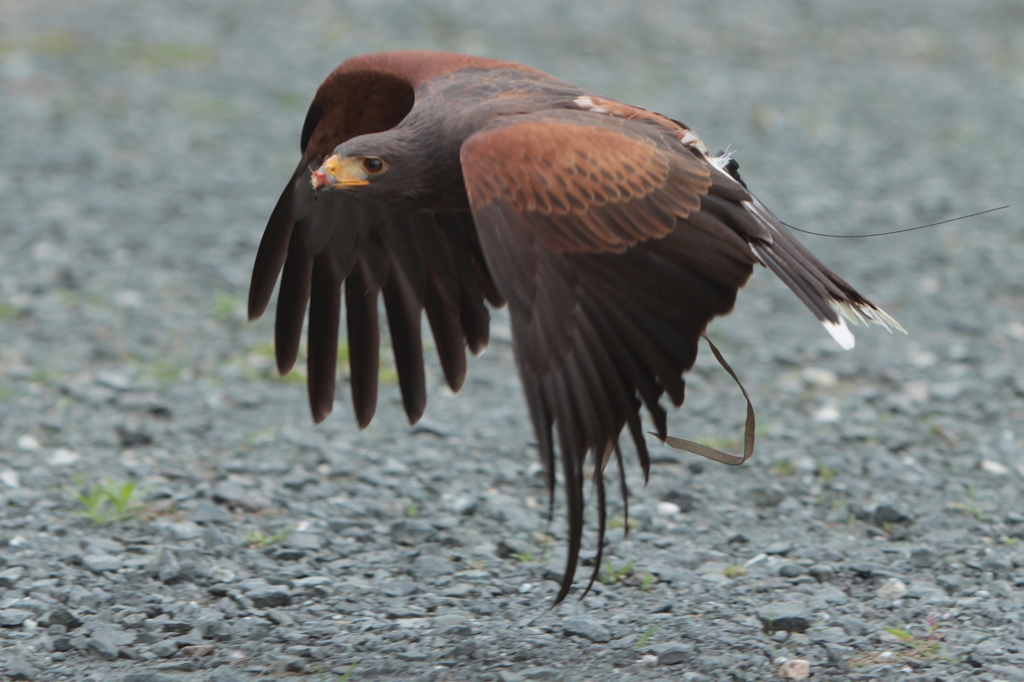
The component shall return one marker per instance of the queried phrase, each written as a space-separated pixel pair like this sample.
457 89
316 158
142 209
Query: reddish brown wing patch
559 168
373 92
354 103
582 187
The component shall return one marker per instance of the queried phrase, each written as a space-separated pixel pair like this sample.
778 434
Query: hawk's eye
373 165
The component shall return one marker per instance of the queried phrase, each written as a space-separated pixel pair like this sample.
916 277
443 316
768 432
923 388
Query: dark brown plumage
448 181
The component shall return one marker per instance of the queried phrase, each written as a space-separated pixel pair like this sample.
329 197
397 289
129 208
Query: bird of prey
446 182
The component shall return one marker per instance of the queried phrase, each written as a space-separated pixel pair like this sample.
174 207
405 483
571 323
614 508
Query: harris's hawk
444 181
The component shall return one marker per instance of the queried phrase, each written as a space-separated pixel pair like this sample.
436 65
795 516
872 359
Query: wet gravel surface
875 535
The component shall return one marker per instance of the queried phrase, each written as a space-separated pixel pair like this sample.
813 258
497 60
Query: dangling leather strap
711 453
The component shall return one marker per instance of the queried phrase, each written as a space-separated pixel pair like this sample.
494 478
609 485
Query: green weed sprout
108 502
258 539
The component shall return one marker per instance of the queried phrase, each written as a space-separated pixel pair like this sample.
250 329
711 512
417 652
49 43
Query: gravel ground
873 536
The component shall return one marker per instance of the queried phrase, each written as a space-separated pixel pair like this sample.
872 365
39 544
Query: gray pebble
250 584
411 532
224 674
890 514
179 530
208 512
892 588
788 616
107 640
870 570
297 478
170 571
20 669
304 541
779 548
61 616
588 629
232 493
149 676
99 563
507 547
279 617
950 583
228 607
859 511
997 563
270 597
789 570
464 505
823 573
427 567
687 502
765 497
165 648
12 618
399 588
673 653
98 544
10 577
290 664
923 557
463 649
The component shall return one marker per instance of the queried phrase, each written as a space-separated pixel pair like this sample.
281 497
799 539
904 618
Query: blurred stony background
875 535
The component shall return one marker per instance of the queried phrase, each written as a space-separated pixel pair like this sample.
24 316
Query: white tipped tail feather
832 300
856 313
841 333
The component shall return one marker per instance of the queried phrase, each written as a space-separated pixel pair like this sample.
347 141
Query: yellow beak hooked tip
337 173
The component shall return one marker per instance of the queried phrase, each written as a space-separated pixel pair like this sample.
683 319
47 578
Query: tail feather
826 294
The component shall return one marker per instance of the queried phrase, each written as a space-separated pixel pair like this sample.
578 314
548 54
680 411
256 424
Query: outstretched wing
421 261
615 243
593 231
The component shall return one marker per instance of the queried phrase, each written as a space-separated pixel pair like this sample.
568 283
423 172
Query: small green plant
826 473
611 575
7 311
734 571
163 371
924 647
42 375
784 467
647 581
646 636
411 510
617 522
348 673
258 539
927 647
971 506
522 557
224 307
108 502
387 374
